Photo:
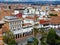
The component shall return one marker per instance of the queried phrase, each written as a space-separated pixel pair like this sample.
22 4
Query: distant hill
40 2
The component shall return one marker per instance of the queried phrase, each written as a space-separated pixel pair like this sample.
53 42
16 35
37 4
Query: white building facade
15 26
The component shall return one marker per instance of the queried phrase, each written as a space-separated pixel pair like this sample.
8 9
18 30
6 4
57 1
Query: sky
26 0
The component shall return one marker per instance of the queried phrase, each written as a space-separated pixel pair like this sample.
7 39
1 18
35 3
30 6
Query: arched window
18 35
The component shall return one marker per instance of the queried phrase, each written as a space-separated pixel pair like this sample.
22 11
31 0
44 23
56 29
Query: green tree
43 38
43 41
51 37
35 31
35 41
9 38
53 14
42 30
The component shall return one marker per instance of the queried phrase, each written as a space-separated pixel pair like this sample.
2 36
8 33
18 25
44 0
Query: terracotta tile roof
54 20
44 21
36 16
29 17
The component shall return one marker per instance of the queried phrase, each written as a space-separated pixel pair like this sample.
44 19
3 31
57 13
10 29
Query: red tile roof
44 21
54 20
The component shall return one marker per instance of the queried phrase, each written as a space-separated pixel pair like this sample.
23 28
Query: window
11 23
13 29
22 21
18 28
23 34
15 22
27 10
18 22
18 35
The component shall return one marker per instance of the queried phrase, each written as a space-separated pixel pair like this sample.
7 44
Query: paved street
24 41
58 32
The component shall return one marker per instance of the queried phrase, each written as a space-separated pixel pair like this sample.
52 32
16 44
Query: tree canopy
53 14
52 37
9 38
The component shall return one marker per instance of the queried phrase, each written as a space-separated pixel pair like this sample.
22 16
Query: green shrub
53 14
